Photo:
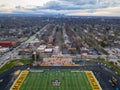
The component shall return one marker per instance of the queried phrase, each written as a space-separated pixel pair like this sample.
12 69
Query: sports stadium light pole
34 56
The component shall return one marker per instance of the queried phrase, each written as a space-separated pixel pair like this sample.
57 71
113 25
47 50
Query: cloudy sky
66 7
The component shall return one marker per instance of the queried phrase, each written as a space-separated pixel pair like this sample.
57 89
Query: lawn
69 80
13 63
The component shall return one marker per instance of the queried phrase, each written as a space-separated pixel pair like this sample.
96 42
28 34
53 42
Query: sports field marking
76 71
68 80
18 82
93 81
36 71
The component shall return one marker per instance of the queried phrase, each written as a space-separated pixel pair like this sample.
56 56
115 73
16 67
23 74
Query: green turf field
69 80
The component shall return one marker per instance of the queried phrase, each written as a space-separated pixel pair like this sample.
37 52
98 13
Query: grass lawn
119 60
7 66
13 63
69 80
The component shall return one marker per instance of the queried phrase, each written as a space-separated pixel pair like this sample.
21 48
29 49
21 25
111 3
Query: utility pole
35 57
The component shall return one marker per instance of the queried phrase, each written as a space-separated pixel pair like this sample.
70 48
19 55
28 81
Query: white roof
34 41
4 49
48 50
41 47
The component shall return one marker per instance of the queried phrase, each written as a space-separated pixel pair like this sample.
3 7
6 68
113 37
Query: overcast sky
66 7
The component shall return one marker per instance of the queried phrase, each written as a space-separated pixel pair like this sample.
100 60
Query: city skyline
63 7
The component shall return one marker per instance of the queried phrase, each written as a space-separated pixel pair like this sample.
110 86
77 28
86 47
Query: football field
66 80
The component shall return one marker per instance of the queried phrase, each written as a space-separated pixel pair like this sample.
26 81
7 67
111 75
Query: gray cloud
82 2
78 4
19 7
71 6
1 6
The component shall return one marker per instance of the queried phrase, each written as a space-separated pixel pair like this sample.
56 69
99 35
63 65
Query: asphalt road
6 57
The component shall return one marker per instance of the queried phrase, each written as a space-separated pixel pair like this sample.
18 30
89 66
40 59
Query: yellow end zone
18 82
93 81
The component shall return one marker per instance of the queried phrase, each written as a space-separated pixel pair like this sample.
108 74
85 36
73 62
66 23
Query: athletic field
68 80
